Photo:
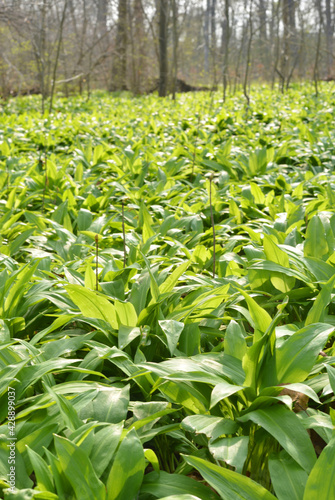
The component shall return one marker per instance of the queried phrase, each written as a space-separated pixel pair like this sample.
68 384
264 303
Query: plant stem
195 145
212 221
96 262
46 179
124 238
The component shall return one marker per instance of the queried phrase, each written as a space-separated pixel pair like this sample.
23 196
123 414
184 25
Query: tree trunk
213 39
329 37
225 42
290 39
163 43
206 39
175 47
119 75
59 42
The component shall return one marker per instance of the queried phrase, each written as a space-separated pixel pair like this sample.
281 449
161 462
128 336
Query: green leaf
92 305
287 477
232 450
125 313
69 414
227 483
297 355
211 426
234 341
223 390
331 375
162 484
172 330
151 456
36 440
287 429
42 473
127 334
127 471
181 497
318 310
110 405
316 242
147 231
321 484
22 479
260 317
90 278
105 443
79 471
28 494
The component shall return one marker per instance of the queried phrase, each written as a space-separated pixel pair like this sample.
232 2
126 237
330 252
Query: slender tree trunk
248 62
175 47
317 52
60 37
226 39
102 16
329 37
119 74
290 39
263 36
42 55
163 44
213 40
206 39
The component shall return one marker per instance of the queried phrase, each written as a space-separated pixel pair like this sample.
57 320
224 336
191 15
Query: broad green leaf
223 390
172 330
147 231
127 334
7 459
105 443
162 484
288 430
287 477
232 450
69 414
92 305
189 340
28 494
36 440
227 483
234 341
212 427
90 278
260 317
274 253
15 294
297 355
320 483
318 310
78 469
331 375
62 484
41 470
257 193
316 242
151 456
110 405
181 497
186 395
172 280
127 471
125 313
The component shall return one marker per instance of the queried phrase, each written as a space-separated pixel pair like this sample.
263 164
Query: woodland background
68 46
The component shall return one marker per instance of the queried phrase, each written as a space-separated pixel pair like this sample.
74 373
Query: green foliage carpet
167 316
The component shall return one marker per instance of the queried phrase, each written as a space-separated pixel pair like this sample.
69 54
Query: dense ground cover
142 366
